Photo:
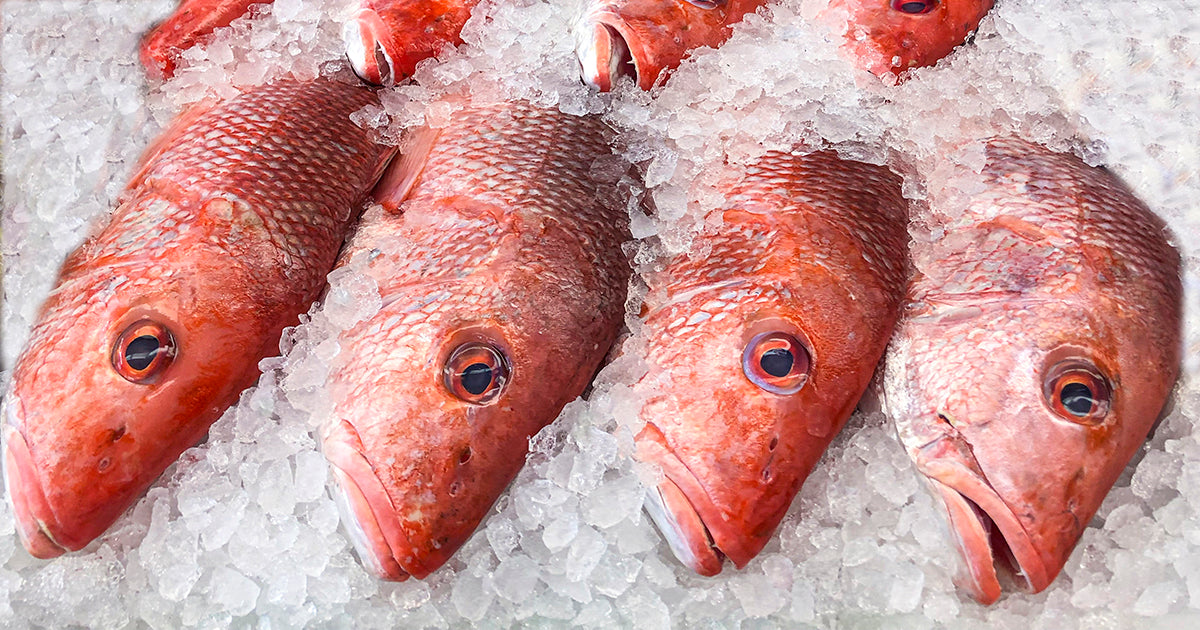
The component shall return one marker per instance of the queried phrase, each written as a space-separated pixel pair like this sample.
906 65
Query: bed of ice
242 532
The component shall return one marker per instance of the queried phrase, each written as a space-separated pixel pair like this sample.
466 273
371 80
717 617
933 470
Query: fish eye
476 372
914 7
143 351
1079 392
777 362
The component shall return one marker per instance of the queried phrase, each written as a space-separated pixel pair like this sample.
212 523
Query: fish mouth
365 37
604 46
685 531
989 536
365 508
31 510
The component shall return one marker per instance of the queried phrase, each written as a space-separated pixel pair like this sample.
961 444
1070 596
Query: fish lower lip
366 511
683 529
30 508
982 525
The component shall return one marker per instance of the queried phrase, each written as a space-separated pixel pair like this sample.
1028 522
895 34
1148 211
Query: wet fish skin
1055 277
509 244
386 39
222 239
192 23
811 246
646 39
889 37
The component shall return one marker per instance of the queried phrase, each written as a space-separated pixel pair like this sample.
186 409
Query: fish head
121 374
888 37
646 39
1021 417
747 386
386 39
432 420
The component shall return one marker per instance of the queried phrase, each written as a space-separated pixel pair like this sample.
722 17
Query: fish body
646 39
888 37
1040 340
503 284
192 23
759 349
385 39
159 319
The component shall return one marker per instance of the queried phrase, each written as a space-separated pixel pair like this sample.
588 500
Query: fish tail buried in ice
759 351
888 37
1037 349
192 23
158 321
385 39
646 39
503 286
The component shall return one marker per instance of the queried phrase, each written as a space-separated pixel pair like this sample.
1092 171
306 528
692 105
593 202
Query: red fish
888 37
646 39
1039 344
760 349
387 38
503 285
158 321
192 23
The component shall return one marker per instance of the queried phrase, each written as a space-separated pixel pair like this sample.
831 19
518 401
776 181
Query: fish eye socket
143 352
777 362
476 372
914 7
1078 392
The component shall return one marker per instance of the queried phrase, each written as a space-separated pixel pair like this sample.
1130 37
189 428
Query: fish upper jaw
365 37
366 509
31 510
981 522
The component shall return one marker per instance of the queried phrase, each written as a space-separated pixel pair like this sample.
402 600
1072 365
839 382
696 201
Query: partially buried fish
759 350
1039 344
888 37
191 24
503 286
224 236
646 39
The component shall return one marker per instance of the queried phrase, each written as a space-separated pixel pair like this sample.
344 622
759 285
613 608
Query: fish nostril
455 488
768 474
104 464
464 455
116 434
774 443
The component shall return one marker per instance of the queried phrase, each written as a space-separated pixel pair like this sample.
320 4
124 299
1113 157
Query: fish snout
30 507
603 51
365 37
683 528
365 508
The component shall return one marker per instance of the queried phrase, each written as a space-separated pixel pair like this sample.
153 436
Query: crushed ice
242 531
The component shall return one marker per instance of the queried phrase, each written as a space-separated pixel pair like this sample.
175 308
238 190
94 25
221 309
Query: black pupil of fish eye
476 378
911 7
140 352
777 361
1077 398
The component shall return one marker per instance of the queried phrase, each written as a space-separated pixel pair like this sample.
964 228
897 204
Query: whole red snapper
158 321
759 349
503 285
1039 343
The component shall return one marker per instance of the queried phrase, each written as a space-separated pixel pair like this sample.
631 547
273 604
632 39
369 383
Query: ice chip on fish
158 320
385 39
646 39
1038 347
503 285
888 37
766 343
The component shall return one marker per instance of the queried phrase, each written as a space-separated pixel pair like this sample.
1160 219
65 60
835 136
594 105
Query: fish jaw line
364 37
365 507
26 497
973 509
684 530
604 47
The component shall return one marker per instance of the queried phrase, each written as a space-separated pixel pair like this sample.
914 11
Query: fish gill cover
242 531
